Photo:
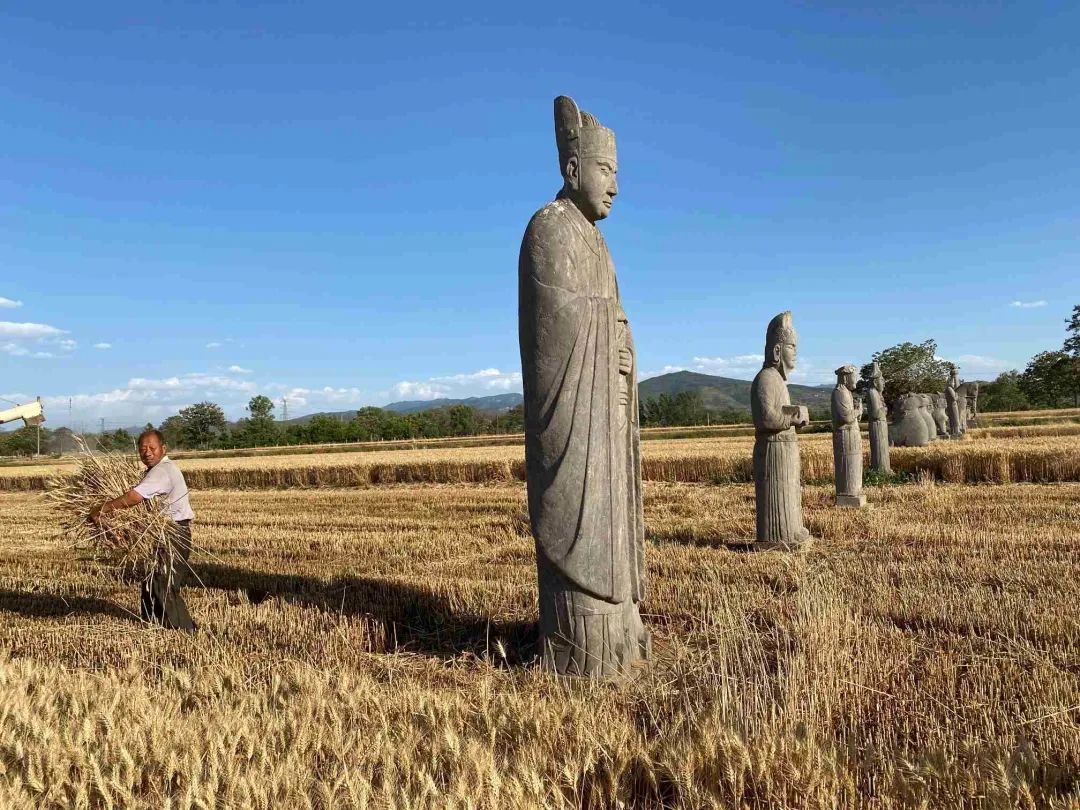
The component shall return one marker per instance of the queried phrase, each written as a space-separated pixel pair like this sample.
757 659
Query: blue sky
326 202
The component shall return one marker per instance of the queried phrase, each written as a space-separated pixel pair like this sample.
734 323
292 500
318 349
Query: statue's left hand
626 361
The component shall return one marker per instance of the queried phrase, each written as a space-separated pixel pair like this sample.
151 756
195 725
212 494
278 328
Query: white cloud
19 350
458 386
8 303
102 346
67 345
744 367
213 344
239 370
29 331
977 363
1028 304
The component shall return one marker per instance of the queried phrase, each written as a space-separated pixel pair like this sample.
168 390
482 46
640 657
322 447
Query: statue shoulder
549 227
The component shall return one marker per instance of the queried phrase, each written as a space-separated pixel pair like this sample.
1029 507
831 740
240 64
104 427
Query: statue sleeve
769 404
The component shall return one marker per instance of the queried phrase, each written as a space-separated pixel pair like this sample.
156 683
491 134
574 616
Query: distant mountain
724 392
493 404
498 402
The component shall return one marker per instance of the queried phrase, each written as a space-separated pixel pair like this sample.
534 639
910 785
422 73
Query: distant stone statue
967 396
582 449
907 429
952 404
879 424
777 468
926 411
847 440
941 418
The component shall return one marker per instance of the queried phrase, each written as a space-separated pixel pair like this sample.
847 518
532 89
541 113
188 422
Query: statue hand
626 361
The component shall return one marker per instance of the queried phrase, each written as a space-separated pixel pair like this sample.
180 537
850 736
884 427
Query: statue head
587 160
954 378
876 378
781 344
845 376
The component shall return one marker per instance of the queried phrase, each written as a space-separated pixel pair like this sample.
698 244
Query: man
582 448
160 600
777 467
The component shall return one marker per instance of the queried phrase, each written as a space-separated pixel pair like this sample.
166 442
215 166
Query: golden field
368 647
1048 453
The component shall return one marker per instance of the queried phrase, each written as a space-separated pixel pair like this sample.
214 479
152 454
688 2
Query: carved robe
847 443
777 465
952 406
941 417
879 432
582 448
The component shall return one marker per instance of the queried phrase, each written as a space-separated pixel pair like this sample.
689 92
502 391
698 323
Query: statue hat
578 134
779 332
848 369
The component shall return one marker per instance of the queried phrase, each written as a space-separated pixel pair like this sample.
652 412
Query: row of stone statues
582 443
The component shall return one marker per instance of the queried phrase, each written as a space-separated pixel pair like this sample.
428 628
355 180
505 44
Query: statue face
591 184
788 352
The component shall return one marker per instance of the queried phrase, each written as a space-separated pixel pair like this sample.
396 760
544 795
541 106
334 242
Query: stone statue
967 396
941 418
879 424
907 428
926 411
582 450
952 403
777 470
847 440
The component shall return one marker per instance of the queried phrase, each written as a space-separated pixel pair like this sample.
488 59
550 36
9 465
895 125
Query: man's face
593 185
151 450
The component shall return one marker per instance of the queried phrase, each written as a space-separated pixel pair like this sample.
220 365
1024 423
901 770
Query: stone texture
777 471
926 411
907 428
952 405
847 440
878 416
941 417
581 418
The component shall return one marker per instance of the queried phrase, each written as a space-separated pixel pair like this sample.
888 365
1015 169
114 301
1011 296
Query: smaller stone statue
952 404
847 440
777 466
941 418
907 428
926 411
879 424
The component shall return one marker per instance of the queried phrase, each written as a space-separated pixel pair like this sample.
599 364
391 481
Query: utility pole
284 409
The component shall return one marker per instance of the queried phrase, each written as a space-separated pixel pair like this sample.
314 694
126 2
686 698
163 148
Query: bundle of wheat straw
131 542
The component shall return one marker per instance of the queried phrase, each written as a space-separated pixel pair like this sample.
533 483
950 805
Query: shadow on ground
42 604
416 620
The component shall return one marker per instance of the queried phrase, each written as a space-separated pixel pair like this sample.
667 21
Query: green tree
173 431
909 367
259 429
1048 379
201 424
1072 348
1006 393
118 441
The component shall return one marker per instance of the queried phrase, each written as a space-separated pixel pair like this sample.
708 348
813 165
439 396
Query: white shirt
165 478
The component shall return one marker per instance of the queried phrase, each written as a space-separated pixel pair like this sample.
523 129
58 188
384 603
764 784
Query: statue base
803 543
851 501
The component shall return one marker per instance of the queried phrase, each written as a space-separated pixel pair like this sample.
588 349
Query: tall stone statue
941 418
581 417
926 411
907 428
952 404
879 424
847 440
777 468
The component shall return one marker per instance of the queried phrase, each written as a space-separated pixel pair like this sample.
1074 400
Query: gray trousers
160 600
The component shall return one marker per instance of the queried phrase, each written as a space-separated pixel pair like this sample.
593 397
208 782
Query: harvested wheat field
370 647
1001 455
